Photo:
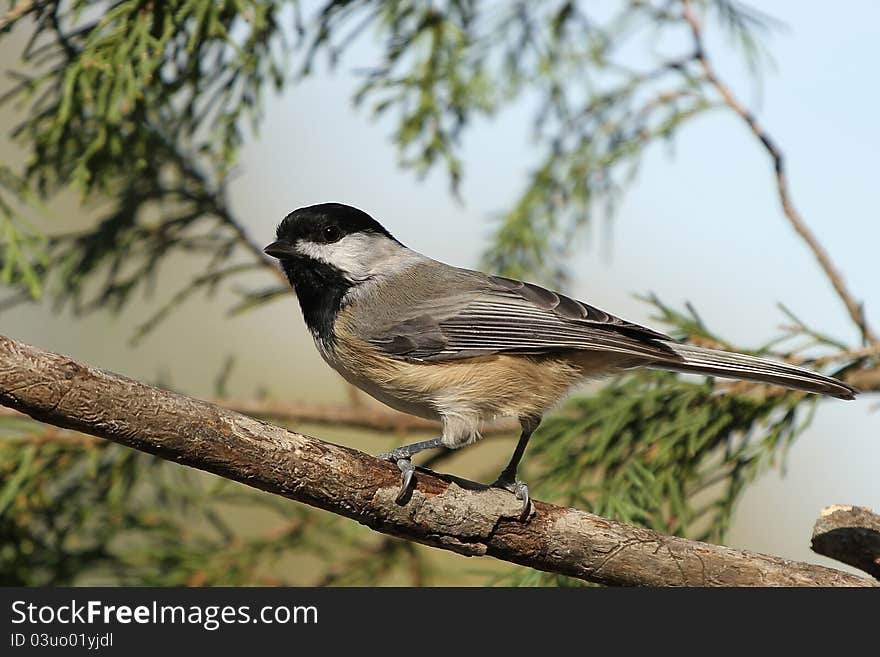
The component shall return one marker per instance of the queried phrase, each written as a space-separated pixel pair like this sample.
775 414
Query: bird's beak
279 249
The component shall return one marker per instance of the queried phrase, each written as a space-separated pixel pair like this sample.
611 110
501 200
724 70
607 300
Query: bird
464 347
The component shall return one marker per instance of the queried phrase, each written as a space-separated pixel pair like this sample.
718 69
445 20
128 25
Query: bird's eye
331 233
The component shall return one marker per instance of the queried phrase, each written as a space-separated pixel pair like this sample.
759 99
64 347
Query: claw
521 490
400 456
407 469
522 493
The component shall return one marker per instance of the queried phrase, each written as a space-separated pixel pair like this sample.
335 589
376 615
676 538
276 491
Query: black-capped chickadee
461 346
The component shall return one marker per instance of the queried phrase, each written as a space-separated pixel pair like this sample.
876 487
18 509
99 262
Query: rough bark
851 535
446 513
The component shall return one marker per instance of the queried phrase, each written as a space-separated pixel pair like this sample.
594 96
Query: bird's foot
402 457
518 488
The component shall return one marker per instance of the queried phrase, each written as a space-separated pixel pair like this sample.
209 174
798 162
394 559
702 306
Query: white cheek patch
360 256
351 254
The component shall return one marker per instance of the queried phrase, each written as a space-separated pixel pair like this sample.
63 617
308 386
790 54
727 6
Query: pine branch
449 514
853 307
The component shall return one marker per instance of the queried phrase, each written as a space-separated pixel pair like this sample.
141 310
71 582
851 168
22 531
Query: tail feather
712 362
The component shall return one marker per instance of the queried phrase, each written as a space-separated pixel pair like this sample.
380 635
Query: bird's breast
483 388
378 376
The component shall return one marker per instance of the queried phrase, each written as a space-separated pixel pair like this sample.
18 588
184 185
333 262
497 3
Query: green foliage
22 249
142 106
643 447
81 511
78 511
145 103
113 82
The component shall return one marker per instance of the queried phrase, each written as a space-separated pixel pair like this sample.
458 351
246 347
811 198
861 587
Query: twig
216 198
848 354
16 12
246 241
866 380
360 416
851 535
56 437
446 513
855 309
370 417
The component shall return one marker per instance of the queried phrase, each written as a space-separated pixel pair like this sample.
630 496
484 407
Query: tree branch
854 308
851 535
447 513
374 418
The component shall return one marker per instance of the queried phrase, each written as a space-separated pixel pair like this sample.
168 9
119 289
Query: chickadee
461 346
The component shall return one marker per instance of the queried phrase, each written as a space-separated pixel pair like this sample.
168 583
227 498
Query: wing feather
477 315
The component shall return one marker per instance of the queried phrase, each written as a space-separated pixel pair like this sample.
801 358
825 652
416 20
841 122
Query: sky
701 224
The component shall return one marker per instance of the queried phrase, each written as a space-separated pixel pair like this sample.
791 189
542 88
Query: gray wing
486 315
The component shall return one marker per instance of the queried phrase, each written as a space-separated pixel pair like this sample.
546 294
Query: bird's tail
712 362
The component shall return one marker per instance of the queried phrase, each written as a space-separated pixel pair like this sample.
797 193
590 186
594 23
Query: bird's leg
507 479
402 457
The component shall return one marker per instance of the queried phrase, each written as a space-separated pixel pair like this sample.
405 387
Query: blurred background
698 223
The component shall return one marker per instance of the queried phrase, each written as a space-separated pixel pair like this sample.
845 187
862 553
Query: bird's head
332 240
